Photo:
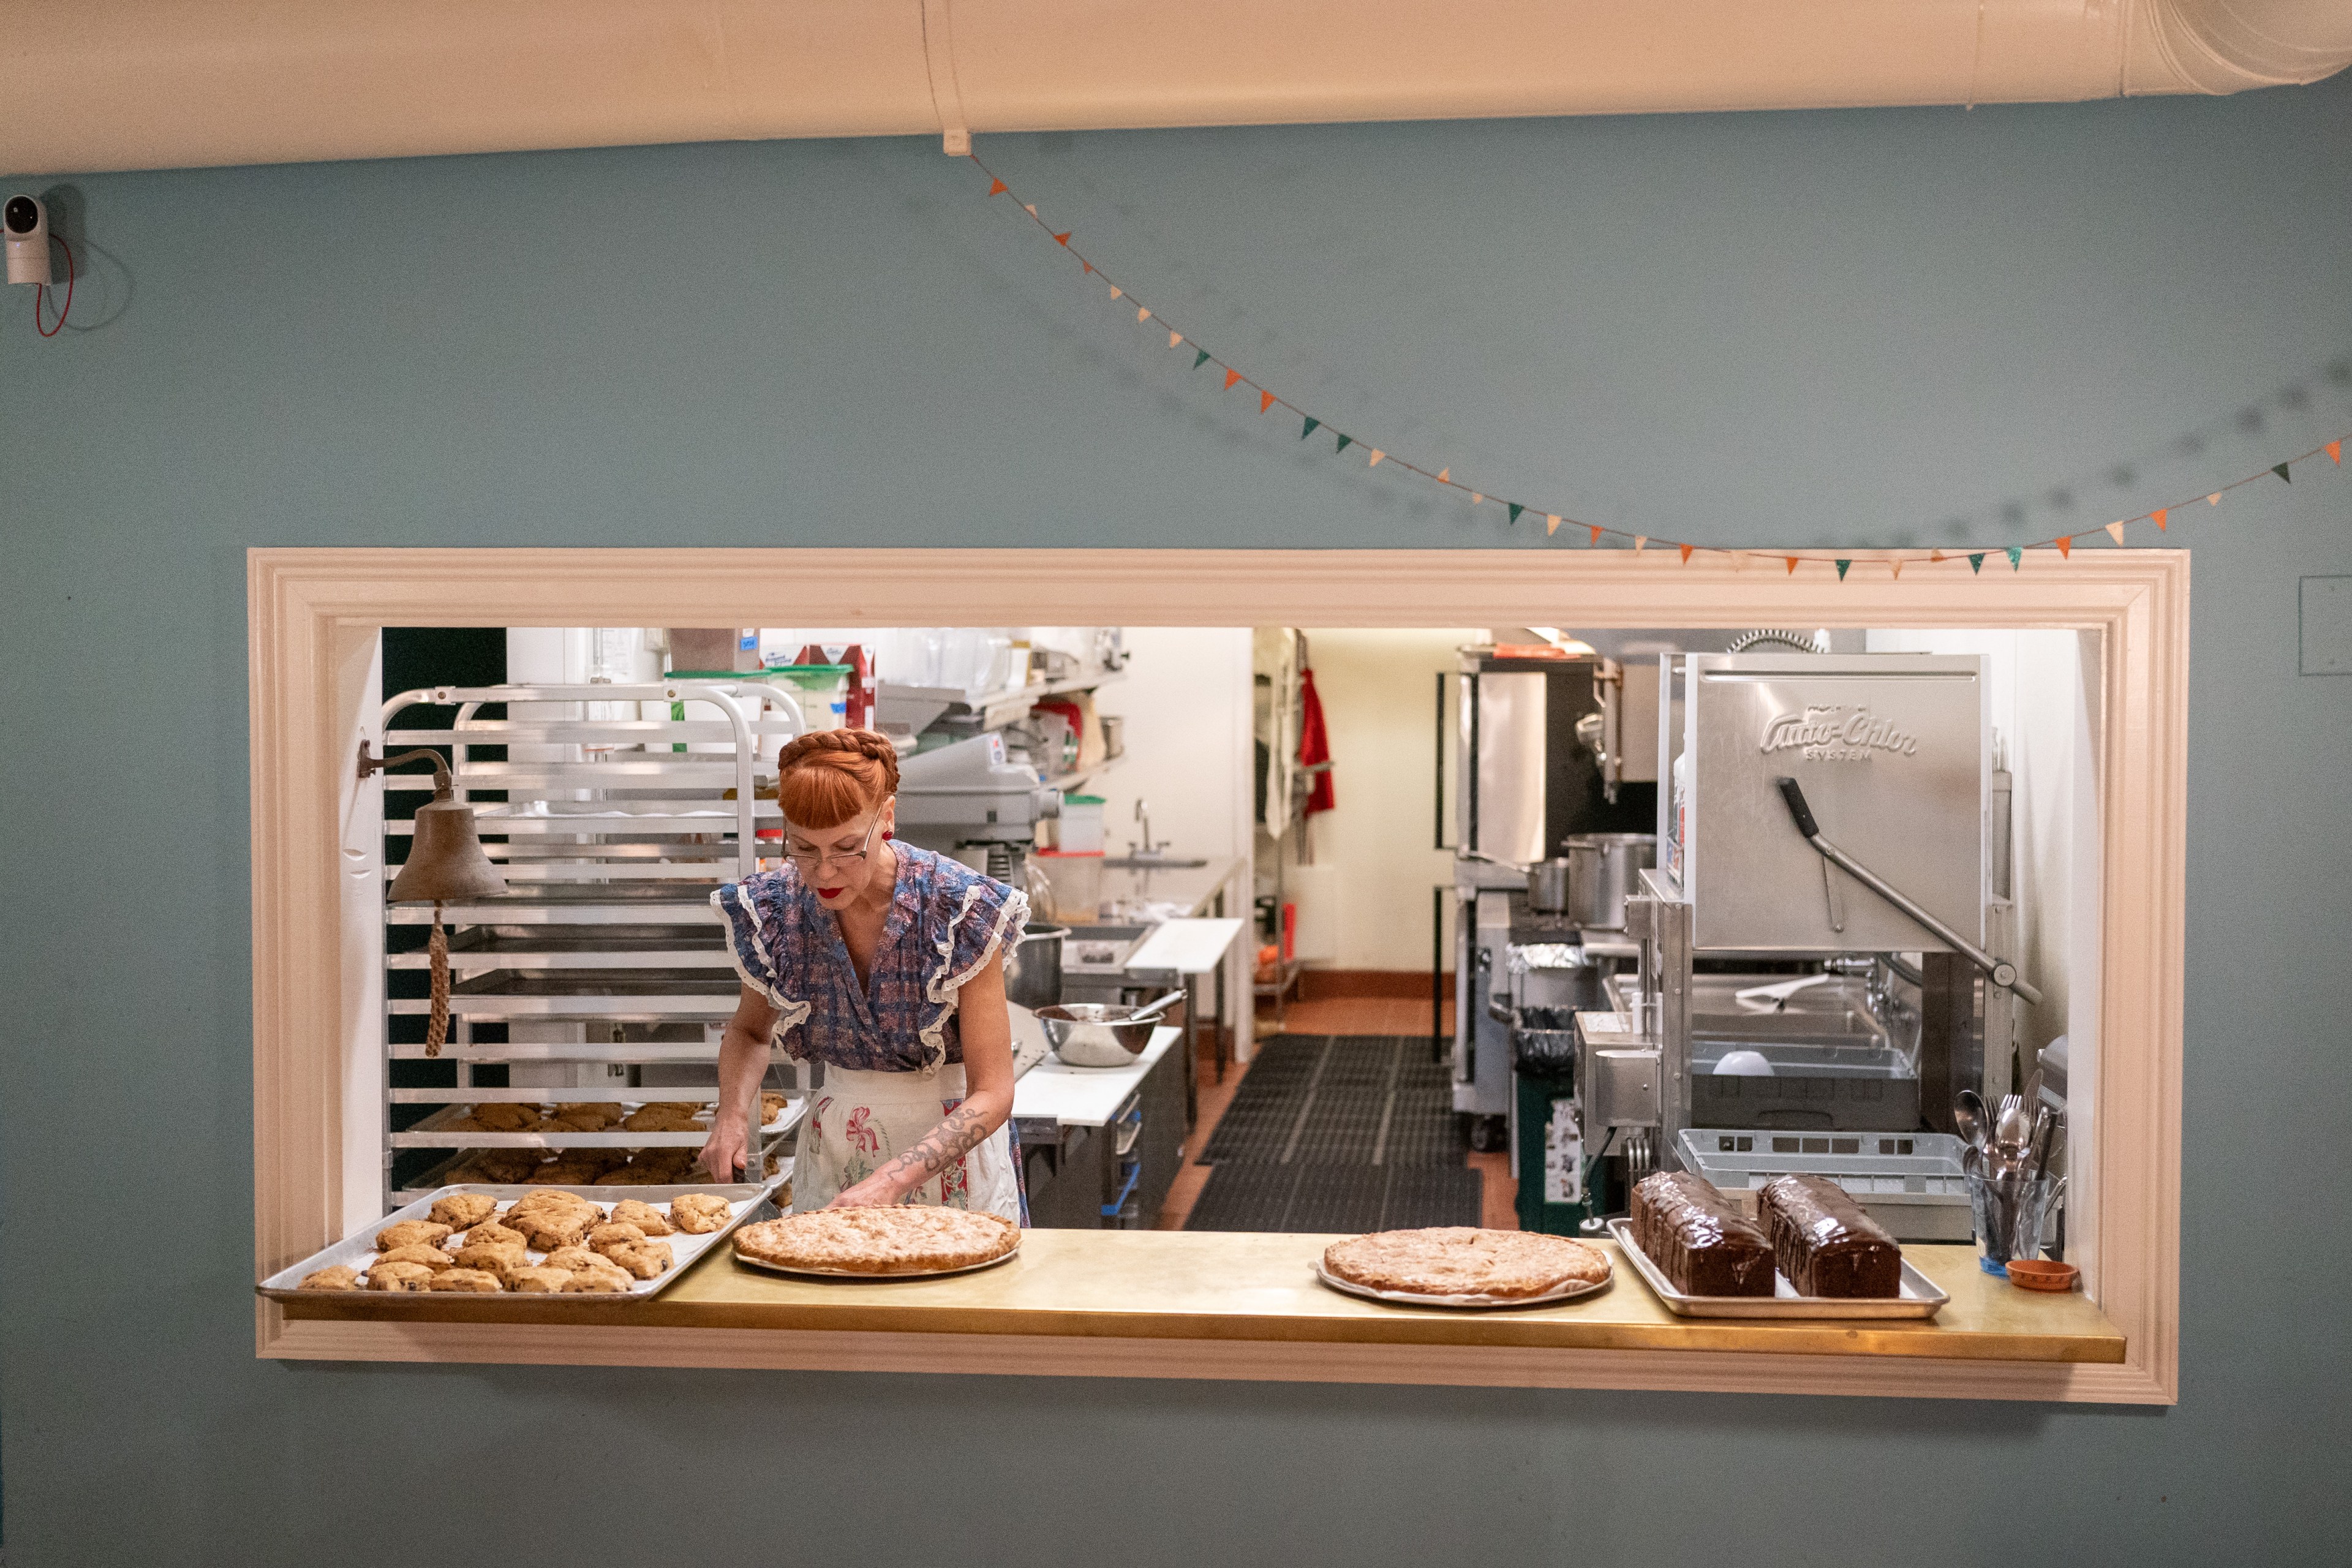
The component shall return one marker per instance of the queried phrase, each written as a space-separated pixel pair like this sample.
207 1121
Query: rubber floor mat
1319 1199
1338 1099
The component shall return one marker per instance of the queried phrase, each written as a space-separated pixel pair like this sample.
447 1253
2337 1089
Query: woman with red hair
885 963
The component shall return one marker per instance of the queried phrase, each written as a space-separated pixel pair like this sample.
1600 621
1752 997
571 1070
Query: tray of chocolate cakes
1810 1252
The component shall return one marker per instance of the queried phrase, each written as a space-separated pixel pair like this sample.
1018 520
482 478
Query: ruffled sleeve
759 913
981 918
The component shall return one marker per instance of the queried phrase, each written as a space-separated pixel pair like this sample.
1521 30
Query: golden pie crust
1460 1260
905 1239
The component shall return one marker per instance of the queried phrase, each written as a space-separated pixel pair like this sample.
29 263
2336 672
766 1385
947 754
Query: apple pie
900 1240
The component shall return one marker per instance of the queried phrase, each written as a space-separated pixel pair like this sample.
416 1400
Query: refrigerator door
1504 729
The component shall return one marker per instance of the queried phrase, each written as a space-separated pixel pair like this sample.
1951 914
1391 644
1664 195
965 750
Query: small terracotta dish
2041 1274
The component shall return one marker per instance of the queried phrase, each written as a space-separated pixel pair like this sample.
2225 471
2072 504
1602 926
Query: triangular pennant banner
1445 476
1792 564
1143 312
1085 266
1516 510
1843 567
1063 239
2280 469
1976 562
1343 444
1935 555
1377 455
1894 564
1686 553
1478 498
1310 429
1029 207
2157 517
2115 532
1200 356
1551 523
1596 535
1175 338
2213 500
1641 543
2336 453
1116 292
997 187
1265 400
2016 556
2066 547
1231 378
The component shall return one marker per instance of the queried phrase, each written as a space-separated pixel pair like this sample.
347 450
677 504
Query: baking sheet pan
433 1131
1571 1291
857 1278
1921 1297
744 1200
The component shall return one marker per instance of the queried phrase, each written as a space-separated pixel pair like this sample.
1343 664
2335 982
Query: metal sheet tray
744 1200
853 1277
1571 1291
433 1131
1921 1297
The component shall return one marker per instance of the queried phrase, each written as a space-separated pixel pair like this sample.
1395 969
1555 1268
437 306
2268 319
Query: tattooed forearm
940 1147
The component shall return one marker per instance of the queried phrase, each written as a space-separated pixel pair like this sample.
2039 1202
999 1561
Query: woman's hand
724 1154
881 1190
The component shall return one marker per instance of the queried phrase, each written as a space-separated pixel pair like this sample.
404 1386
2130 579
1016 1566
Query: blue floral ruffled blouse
946 922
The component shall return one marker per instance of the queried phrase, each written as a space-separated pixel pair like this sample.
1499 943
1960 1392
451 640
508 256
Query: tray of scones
532 1240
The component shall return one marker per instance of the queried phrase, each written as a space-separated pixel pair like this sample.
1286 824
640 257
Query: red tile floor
1335 1015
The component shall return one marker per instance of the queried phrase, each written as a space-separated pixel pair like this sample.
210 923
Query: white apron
863 1121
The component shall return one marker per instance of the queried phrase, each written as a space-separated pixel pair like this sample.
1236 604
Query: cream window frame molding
314 618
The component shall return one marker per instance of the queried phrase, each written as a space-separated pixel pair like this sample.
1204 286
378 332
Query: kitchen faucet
1144 816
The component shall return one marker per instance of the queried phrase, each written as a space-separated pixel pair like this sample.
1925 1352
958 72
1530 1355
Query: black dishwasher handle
1795 796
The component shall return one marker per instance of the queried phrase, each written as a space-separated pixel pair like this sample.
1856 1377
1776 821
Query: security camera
26 222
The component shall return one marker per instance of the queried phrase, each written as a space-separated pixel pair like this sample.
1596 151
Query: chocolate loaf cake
1824 1243
1703 1243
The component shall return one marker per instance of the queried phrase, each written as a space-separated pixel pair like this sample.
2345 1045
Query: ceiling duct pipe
128 84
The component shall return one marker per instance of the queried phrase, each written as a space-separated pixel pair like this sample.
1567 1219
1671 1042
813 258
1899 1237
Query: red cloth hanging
1314 744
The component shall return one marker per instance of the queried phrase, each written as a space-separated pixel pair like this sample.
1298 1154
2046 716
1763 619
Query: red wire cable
41 293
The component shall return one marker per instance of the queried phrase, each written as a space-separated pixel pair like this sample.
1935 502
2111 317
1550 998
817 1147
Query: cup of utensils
2007 1160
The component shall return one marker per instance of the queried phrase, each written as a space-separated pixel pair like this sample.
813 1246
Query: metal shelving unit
605 969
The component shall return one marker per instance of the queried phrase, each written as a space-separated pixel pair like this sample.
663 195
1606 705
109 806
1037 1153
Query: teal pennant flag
1200 358
1343 444
2016 556
1976 562
1516 510
1310 429
1842 568
2280 469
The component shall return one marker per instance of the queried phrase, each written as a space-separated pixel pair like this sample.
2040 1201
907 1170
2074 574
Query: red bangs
826 789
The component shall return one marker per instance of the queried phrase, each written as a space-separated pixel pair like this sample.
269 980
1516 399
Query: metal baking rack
604 969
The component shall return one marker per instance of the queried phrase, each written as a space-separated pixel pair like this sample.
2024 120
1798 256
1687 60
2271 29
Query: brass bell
446 862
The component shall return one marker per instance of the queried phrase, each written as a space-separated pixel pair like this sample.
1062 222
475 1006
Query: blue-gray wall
1868 328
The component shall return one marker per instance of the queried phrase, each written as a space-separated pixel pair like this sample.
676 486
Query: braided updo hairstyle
831 776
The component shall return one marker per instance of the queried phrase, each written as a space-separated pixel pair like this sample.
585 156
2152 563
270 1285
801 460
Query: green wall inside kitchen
1873 327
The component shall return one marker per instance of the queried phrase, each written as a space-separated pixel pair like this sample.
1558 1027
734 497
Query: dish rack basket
612 811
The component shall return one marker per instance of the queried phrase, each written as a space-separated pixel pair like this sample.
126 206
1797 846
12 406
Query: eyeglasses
809 857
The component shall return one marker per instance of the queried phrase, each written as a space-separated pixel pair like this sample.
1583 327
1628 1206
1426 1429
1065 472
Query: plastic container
1081 825
1077 882
823 692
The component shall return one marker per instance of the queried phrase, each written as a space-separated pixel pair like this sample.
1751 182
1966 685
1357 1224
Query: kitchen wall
1378 689
1871 328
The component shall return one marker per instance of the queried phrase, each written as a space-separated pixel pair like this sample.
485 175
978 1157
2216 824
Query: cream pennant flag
2213 500
1143 312
1445 476
1116 292
1935 555
1551 523
1641 543
1175 338
2115 532
1478 498
1029 207
1894 564
1377 455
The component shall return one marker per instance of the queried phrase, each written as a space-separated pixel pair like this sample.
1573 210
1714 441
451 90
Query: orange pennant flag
2115 532
1064 238
997 187
1686 553
1641 543
1894 564
1792 566
1377 455
1478 498
2213 500
1115 291
1596 533
2336 453
1264 401
1445 476
1935 555
2065 547
1232 376
1143 312
1175 338
2157 517
1552 525
1087 265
